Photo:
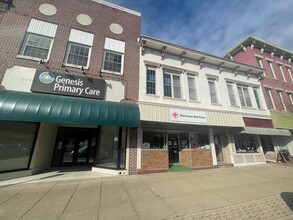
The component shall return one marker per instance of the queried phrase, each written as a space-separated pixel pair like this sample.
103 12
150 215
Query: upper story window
79 48
172 86
272 69
281 100
290 96
192 88
259 62
213 91
38 40
151 81
231 94
244 96
290 73
282 72
114 55
256 96
270 98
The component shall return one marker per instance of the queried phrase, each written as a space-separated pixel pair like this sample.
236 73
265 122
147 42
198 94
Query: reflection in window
153 140
16 144
199 141
245 143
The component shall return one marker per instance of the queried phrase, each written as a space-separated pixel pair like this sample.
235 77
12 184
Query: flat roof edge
117 7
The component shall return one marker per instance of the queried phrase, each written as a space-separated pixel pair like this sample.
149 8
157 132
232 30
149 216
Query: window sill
111 72
217 104
194 101
31 58
172 98
152 95
76 66
235 106
251 108
275 79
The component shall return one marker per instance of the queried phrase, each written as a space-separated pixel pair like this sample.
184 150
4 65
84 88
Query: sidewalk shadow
288 198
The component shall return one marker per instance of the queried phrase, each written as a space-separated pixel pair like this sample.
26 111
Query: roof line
117 7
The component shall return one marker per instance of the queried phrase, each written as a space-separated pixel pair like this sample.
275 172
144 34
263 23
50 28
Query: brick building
277 84
199 110
68 74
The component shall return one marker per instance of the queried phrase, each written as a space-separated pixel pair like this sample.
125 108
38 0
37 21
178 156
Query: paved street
255 192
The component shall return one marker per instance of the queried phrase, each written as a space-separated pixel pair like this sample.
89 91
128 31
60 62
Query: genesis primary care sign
70 85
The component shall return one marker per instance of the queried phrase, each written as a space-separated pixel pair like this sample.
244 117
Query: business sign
190 116
70 85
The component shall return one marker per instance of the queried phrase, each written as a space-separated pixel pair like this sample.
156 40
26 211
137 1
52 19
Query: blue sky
215 26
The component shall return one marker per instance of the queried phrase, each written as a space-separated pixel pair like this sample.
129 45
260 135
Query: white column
139 143
259 149
212 144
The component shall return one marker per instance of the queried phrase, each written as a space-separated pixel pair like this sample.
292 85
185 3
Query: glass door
219 149
173 147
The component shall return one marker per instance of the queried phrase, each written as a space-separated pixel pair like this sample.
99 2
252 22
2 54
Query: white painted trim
117 7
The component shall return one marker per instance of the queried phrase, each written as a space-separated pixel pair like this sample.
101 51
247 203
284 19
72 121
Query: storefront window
108 147
16 144
184 140
245 143
199 141
153 140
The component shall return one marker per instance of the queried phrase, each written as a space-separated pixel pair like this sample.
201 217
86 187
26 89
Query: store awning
36 107
266 131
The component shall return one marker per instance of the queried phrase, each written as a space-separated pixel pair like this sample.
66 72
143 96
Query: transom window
172 86
192 88
244 96
113 61
231 94
256 96
213 91
77 54
151 81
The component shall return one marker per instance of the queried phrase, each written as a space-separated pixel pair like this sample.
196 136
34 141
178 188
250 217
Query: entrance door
75 146
173 147
219 149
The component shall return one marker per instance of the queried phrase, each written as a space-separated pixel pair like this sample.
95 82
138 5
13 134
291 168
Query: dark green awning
37 107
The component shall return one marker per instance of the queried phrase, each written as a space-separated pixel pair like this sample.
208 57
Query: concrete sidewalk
255 192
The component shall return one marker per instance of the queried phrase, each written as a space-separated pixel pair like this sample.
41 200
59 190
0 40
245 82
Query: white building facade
196 109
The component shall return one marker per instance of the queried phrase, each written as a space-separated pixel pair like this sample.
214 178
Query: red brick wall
133 151
1 17
154 161
14 26
249 58
201 158
185 158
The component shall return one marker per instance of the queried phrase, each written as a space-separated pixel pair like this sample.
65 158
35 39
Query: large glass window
246 143
36 46
111 148
151 81
172 86
77 54
113 61
231 94
199 141
16 144
153 140
192 88
244 96
213 91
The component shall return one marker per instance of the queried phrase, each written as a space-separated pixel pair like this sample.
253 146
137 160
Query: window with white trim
290 73
172 86
244 96
272 69
290 96
270 98
114 55
231 93
213 91
79 48
282 72
151 81
256 96
38 40
281 100
259 62
192 88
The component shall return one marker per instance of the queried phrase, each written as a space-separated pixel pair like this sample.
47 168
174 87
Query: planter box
154 161
196 158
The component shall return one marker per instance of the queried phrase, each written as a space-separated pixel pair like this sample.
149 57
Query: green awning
37 107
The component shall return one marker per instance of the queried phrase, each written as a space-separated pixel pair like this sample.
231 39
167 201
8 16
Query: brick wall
201 158
154 161
133 151
249 58
14 26
185 158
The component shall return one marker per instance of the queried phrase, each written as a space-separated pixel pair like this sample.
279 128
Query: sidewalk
255 192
